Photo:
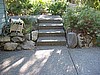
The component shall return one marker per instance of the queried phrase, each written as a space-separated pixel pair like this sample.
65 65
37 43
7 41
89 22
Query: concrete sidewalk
55 60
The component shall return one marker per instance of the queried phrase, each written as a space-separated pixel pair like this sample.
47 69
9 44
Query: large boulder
34 35
10 46
28 45
16 34
17 39
4 38
72 39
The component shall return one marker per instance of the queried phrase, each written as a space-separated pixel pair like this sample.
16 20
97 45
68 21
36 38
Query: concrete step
51 32
49 19
50 47
51 41
50 25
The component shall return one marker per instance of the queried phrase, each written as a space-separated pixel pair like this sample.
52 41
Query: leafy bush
57 7
25 7
18 7
84 19
30 24
91 3
39 7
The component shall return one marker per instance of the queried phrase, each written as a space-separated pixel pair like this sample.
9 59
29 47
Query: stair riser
51 34
50 21
61 43
50 27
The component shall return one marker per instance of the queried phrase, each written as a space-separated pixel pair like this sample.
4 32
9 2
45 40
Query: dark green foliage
38 7
84 19
91 3
57 7
18 7
24 7
30 24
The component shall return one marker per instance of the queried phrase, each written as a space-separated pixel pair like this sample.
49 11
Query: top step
49 19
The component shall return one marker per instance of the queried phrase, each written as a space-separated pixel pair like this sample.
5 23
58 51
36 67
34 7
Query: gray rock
1 45
10 46
84 41
17 39
34 35
72 39
4 39
27 37
89 41
80 40
28 45
16 34
19 48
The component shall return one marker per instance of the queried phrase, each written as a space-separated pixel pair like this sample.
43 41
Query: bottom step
51 41
51 47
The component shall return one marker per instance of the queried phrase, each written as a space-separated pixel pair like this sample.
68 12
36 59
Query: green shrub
91 3
18 7
38 7
57 7
30 24
84 19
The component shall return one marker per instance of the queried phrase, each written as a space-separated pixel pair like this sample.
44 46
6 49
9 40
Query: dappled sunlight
50 61
13 65
48 40
53 24
53 32
27 65
43 53
50 17
59 52
36 62
77 66
5 64
8 61
70 68
57 64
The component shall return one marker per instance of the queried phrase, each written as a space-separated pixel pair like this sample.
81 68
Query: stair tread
51 39
51 31
49 17
50 47
51 24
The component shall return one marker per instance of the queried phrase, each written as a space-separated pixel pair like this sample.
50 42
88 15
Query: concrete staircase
51 31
